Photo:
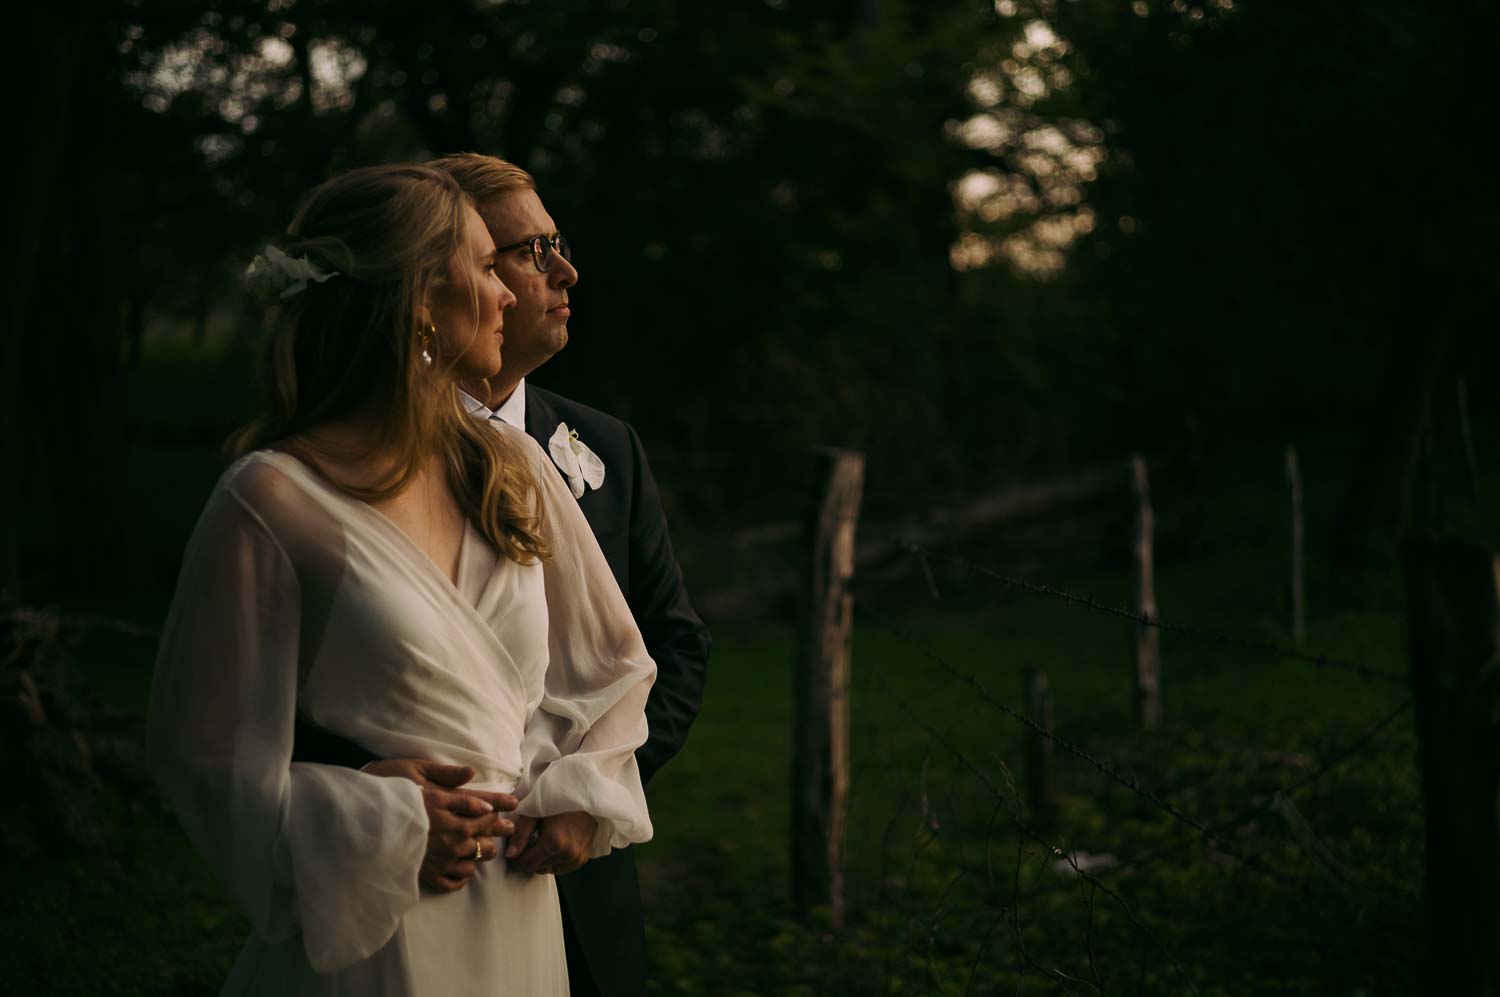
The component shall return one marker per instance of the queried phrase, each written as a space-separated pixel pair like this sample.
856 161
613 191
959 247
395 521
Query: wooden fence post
1453 599
1295 565
820 756
1147 638
1038 699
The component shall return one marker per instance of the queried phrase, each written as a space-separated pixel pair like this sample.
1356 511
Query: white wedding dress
293 596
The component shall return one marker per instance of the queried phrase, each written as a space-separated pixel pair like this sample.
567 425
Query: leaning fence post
1453 600
1295 562
1038 699
1147 638
820 756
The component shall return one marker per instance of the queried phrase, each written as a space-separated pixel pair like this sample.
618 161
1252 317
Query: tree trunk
46 63
1373 514
1454 608
72 401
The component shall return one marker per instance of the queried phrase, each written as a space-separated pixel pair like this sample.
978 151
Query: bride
415 582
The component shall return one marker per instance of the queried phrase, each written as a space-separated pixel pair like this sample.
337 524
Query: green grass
716 878
940 896
141 917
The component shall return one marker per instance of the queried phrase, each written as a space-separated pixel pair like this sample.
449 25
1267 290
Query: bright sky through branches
1030 208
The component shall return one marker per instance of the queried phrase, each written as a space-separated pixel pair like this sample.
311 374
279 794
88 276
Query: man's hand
462 824
439 778
561 845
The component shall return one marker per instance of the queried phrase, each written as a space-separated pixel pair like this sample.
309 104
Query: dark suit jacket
601 901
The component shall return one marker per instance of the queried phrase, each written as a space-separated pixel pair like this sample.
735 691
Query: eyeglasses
543 250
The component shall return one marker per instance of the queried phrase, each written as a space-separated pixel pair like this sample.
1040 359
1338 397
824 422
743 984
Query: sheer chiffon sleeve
329 851
580 742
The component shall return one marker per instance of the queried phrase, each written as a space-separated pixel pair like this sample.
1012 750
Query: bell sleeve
329 851
580 742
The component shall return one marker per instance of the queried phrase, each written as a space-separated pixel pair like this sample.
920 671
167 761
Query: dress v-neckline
414 550
437 569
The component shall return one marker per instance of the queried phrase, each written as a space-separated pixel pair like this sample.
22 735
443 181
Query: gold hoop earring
425 341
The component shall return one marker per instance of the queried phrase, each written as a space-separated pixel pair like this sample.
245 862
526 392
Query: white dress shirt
511 411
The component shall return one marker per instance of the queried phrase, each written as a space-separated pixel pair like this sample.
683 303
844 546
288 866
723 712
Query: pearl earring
428 331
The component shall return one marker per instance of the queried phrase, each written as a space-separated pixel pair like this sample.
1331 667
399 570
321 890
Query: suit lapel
541 421
600 509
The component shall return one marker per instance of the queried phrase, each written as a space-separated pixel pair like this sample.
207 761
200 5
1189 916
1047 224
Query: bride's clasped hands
464 825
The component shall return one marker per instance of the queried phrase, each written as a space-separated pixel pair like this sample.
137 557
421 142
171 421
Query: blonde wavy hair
354 343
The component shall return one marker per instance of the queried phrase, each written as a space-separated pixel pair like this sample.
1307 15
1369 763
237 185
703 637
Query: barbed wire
1089 881
1349 750
1030 831
1106 769
1089 602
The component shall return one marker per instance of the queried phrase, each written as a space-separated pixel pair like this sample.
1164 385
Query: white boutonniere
578 463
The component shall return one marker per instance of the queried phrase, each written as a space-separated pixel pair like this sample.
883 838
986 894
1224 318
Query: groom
602 921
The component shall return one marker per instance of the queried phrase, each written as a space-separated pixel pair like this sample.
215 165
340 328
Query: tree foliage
965 236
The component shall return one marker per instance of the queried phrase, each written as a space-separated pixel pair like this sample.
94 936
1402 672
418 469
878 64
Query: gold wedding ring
478 851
